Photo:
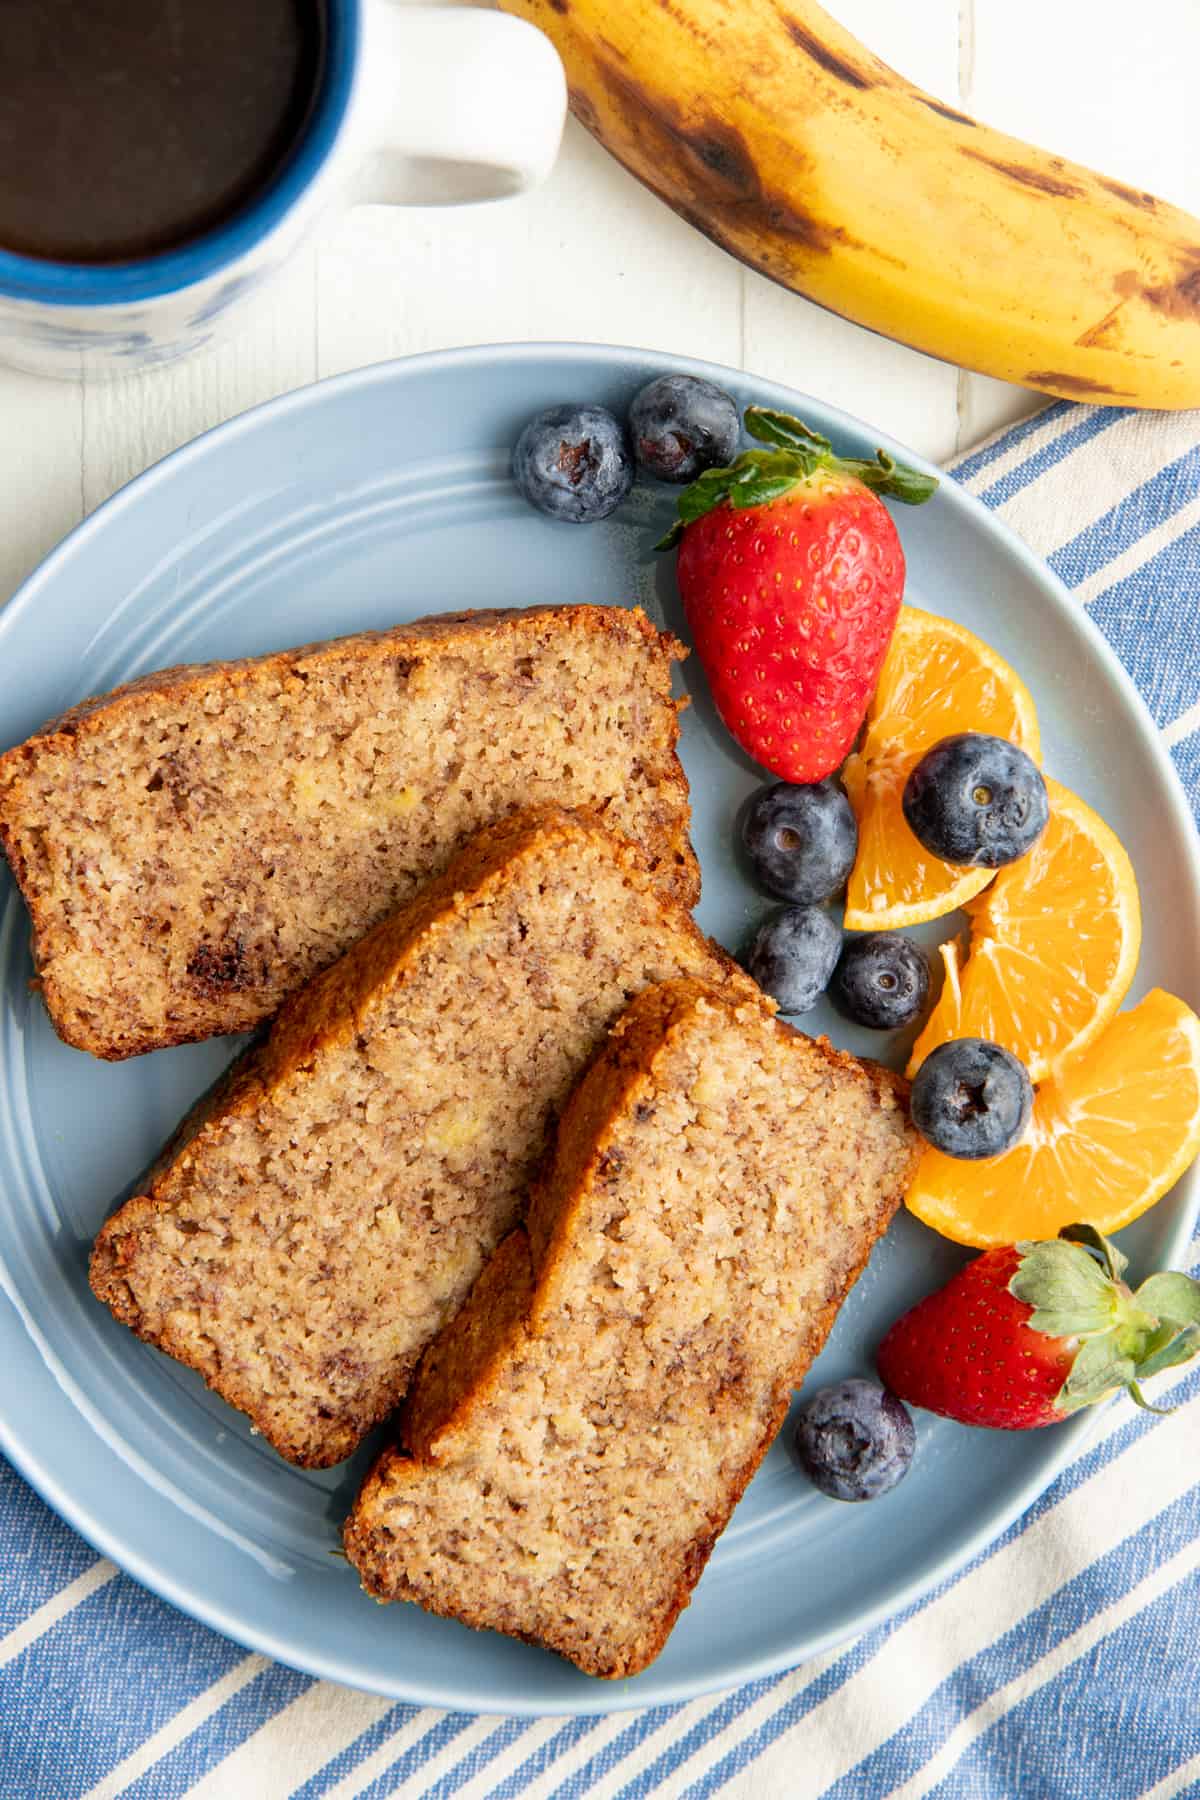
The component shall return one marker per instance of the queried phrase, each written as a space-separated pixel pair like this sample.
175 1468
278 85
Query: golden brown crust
233 984
116 1252
458 1401
460 1366
430 632
622 1067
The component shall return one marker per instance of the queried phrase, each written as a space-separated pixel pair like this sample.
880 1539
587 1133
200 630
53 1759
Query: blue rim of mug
150 277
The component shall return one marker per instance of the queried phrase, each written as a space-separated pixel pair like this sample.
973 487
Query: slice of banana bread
322 1213
194 846
580 1433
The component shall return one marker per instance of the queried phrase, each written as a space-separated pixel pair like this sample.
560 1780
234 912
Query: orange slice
1054 943
1108 1137
938 678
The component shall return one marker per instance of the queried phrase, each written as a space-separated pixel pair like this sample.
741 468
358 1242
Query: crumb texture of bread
194 846
717 1186
325 1209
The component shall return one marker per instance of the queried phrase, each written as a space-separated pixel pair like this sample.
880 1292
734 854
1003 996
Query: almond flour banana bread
321 1214
194 846
580 1433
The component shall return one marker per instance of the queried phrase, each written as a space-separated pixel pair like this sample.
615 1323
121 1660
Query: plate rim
1071 1437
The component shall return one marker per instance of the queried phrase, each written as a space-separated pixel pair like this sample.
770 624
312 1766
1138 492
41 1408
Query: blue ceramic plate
364 501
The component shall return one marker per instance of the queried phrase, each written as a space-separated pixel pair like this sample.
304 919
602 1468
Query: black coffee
130 126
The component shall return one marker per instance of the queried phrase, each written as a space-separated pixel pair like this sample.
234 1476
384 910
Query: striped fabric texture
1063 1664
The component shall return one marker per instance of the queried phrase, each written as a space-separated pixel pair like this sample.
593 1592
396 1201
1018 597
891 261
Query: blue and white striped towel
1063 1664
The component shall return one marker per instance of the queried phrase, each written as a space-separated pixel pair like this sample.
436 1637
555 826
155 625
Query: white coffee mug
418 106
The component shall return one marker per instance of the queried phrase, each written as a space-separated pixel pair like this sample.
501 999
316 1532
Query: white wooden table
592 256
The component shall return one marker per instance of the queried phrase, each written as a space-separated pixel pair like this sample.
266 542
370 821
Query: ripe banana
775 133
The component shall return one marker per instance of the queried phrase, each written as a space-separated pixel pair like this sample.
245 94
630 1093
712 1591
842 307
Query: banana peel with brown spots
780 137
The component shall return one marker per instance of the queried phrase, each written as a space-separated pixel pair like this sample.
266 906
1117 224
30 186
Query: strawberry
1027 1334
791 574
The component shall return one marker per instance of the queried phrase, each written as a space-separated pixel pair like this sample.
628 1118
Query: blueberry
681 426
855 1440
976 800
794 955
574 463
882 980
971 1098
802 841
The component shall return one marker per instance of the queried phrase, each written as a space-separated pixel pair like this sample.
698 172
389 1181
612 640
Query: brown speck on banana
1040 179
824 57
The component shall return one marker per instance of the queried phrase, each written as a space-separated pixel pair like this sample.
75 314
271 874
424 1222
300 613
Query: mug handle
461 105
